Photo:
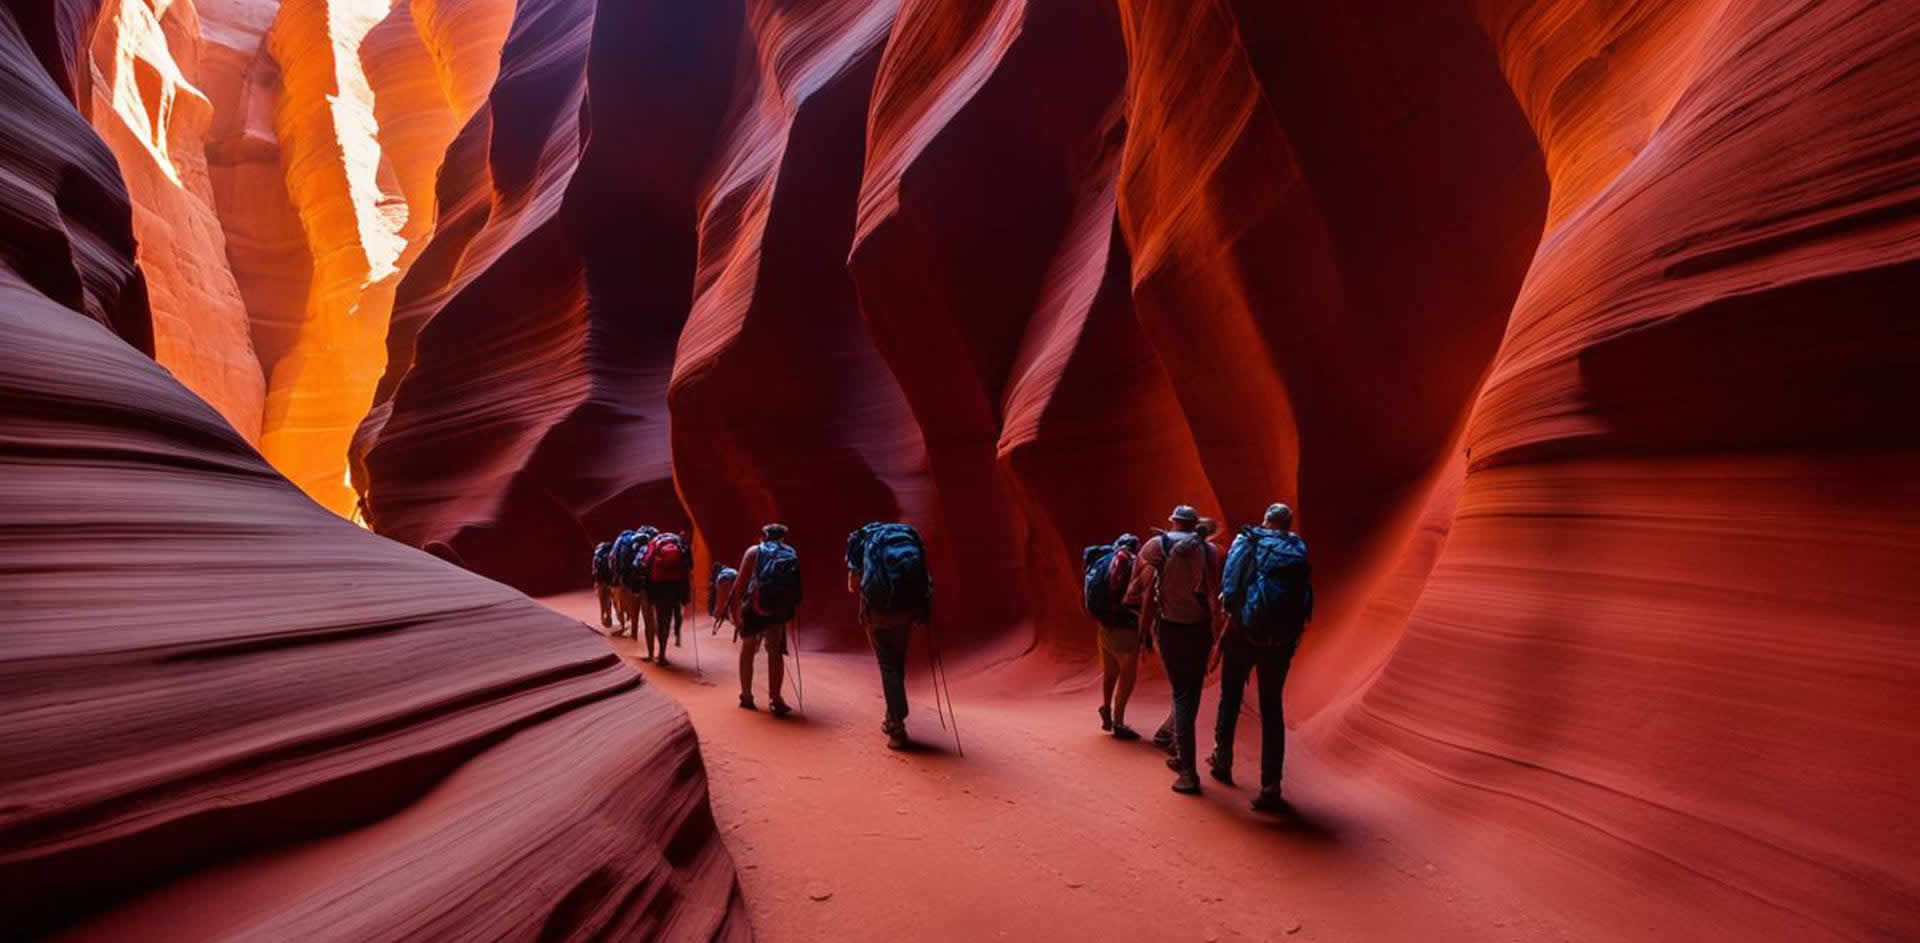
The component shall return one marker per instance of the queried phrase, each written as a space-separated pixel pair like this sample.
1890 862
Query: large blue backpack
892 562
1272 593
775 590
621 555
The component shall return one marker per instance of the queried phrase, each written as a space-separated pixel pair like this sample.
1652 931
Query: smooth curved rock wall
231 714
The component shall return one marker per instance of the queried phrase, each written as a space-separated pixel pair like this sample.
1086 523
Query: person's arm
737 596
1210 584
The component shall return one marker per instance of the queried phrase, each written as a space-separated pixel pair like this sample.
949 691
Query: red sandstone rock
231 714
1675 610
1579 332
143 67
782 410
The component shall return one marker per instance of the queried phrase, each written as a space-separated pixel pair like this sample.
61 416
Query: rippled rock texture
231 714
1579 332
1572 328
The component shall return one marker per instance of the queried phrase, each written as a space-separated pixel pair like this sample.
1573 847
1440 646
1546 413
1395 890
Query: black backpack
1273 596
1097 588
775 592
892 563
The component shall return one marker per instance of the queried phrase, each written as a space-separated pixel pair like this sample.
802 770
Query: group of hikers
1171 593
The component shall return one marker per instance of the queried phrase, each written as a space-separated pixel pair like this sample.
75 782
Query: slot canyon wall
1580 332
230 713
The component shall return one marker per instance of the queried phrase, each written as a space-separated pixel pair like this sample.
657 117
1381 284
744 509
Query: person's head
1184 518
1279 517
774 532
1128 542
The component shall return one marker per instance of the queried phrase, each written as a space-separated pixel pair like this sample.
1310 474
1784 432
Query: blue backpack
603 563
892 563
1104 585
621 555
775 592
1271 594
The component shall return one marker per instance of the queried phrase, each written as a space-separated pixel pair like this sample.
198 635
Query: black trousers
890 648
1238 659
1184 648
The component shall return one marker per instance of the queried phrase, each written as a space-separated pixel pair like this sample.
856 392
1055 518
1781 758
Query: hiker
763 604
887 570
603 581
720 589
1103 589
669 564
1267 592
620 557
1163 736
1174 585
633 576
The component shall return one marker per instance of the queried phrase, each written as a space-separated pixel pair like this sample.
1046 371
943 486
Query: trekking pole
933 673
696 657
799 682
941 665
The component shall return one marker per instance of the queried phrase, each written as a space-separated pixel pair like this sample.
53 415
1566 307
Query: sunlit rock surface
143 76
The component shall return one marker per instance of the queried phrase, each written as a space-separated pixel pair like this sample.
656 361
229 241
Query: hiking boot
1186 784
779 708
1269 800
660 659
746 701
1173 763
896 732
1163 738
1220 768
1124 732
1106 717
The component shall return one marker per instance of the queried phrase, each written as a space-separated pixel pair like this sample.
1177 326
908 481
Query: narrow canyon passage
1045 829
1577 334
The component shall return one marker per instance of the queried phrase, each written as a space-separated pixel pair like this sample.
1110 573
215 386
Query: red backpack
667 559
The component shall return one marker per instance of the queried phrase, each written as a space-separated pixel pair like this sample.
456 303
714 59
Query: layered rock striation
1577 331
232 714
1516 300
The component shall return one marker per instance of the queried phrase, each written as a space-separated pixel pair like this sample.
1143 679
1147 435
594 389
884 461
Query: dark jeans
1184 648
1238 659
890 647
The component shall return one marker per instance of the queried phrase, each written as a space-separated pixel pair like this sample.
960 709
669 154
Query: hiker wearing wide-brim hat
1174 585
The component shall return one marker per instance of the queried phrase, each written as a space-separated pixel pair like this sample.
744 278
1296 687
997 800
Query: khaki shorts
1122 642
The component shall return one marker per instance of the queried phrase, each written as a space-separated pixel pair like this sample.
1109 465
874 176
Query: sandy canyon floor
1045 829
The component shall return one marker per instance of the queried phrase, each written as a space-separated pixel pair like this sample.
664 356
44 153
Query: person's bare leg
776 669
749 645
1123 687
